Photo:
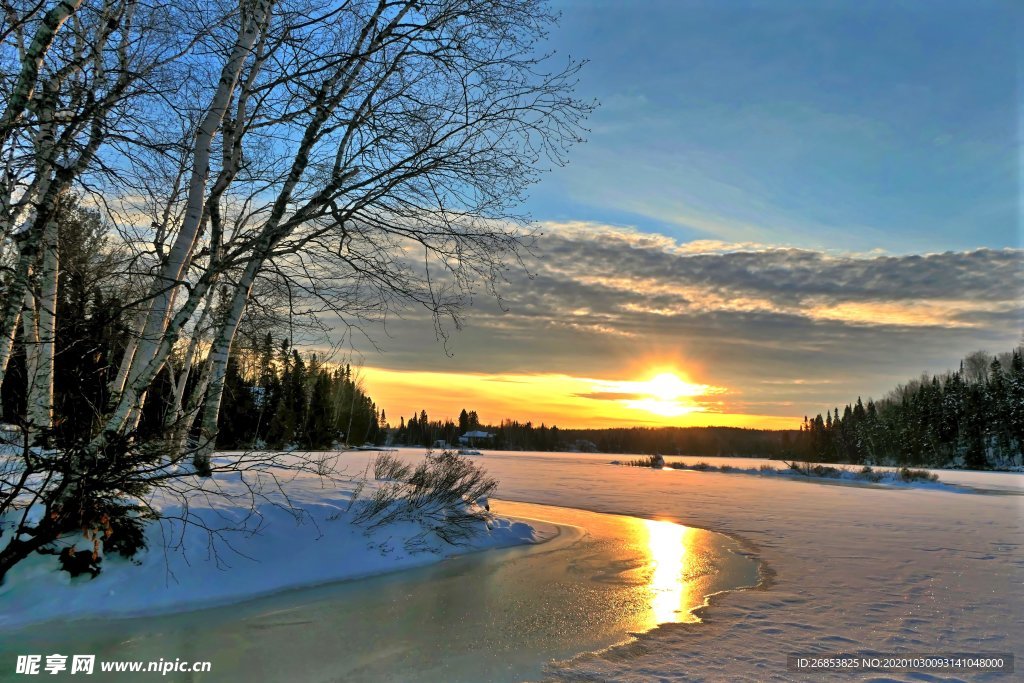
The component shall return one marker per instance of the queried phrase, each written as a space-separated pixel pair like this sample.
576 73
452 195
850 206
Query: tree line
276 398
972 417
512 434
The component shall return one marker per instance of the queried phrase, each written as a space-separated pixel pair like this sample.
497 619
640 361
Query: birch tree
370 154
80 76
404 125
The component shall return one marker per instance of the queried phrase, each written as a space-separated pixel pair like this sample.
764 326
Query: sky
779 207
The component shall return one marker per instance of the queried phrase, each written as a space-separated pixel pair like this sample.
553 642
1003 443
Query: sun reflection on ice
669 558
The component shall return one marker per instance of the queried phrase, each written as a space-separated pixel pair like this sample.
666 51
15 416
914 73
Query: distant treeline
526 436
973 417
709 441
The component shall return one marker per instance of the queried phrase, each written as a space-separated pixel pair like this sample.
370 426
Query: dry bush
441 493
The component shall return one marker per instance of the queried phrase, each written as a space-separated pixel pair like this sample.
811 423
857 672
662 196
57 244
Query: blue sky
860 161
849 126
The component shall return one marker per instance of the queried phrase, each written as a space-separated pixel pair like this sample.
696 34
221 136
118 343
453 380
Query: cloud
631 273
789 330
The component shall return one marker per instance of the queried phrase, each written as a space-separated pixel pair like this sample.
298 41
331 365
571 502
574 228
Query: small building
472 438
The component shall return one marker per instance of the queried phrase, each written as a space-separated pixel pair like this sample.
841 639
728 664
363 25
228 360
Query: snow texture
852 568
849 569
250 553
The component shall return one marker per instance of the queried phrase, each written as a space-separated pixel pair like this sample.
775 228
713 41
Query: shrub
388 467
869 474
442 493
809 470
646 462
909 475
826 471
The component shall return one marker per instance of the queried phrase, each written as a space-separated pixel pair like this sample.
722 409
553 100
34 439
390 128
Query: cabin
475 437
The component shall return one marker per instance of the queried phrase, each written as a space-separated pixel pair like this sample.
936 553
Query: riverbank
251 538
496 616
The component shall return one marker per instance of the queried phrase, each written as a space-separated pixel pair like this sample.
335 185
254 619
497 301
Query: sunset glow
664 398
664 395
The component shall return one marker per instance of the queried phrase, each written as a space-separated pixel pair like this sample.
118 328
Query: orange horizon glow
665 398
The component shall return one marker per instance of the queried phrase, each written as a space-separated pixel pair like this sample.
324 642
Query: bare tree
360 155
79 76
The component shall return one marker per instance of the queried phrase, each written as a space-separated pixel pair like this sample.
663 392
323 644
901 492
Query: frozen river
496 616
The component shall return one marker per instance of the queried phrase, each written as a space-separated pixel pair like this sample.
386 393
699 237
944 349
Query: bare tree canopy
360 155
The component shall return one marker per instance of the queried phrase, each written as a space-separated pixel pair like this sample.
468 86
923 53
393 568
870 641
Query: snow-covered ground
853 568
911 570
229 553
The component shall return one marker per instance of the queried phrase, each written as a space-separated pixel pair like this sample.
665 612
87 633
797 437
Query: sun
669 387
665 394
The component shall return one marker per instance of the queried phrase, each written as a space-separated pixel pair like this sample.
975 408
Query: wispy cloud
785 331
654 275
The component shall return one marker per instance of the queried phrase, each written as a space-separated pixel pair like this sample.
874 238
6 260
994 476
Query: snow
277 548
913 569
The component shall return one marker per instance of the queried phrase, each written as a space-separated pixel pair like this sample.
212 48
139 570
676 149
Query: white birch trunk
179 416
40 388
12 314
217 363
30 340
155 331
116 385
27 257
38 236
31 61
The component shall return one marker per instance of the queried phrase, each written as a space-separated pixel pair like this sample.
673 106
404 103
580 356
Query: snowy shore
810 472
852 569
278 547
855 569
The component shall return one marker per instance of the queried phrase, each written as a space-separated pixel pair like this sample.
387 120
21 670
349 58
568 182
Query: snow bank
229 552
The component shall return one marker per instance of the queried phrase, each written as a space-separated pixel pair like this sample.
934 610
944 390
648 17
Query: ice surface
496 616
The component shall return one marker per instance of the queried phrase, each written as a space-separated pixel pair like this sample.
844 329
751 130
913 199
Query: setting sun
668 387
663 396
